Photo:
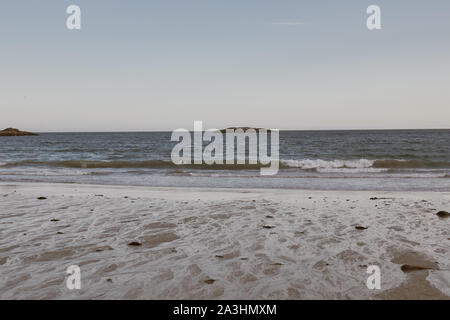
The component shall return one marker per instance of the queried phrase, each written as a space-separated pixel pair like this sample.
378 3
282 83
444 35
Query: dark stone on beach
268 227
414 261
361 228
269 217
210 281
54 220
99 195
60 232
135 244
443 214
375 198
217 256
410 268
109 280
42 198
13 132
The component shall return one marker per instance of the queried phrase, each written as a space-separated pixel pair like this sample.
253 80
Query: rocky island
244 129
12 132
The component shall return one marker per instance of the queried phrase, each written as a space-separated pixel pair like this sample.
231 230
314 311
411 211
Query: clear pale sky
160 65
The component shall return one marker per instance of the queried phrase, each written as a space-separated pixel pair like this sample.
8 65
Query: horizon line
304 130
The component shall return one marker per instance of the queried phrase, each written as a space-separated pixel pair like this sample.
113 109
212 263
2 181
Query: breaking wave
360 165
384 164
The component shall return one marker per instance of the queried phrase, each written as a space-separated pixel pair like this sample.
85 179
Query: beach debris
42 198
135 244
374 198
54 220
269 217
99 195
410 268
268 227
109 280
218 256
59 232
361 228
443 214
210 281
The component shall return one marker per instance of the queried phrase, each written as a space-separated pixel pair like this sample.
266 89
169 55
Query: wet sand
181 243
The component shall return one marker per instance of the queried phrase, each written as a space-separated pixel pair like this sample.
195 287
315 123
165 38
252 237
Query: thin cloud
288 23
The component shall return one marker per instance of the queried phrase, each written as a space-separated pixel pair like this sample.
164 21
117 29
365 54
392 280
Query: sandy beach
182 243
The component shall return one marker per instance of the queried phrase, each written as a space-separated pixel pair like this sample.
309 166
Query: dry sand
179 243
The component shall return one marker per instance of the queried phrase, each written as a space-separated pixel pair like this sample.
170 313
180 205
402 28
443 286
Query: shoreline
220 243
203 188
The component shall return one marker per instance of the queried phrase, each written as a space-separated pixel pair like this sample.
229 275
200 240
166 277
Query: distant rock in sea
12 132
244 129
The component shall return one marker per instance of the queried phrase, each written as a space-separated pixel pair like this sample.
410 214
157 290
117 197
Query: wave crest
319 165
324 164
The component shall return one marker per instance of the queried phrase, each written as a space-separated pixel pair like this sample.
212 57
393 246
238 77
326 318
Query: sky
283 64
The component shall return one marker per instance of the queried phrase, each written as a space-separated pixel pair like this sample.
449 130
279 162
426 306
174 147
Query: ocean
390 160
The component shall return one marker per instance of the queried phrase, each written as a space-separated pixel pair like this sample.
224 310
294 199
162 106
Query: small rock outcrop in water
12 132
244 129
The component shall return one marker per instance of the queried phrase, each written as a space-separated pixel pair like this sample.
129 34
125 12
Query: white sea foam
45 173
352 170
324 164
